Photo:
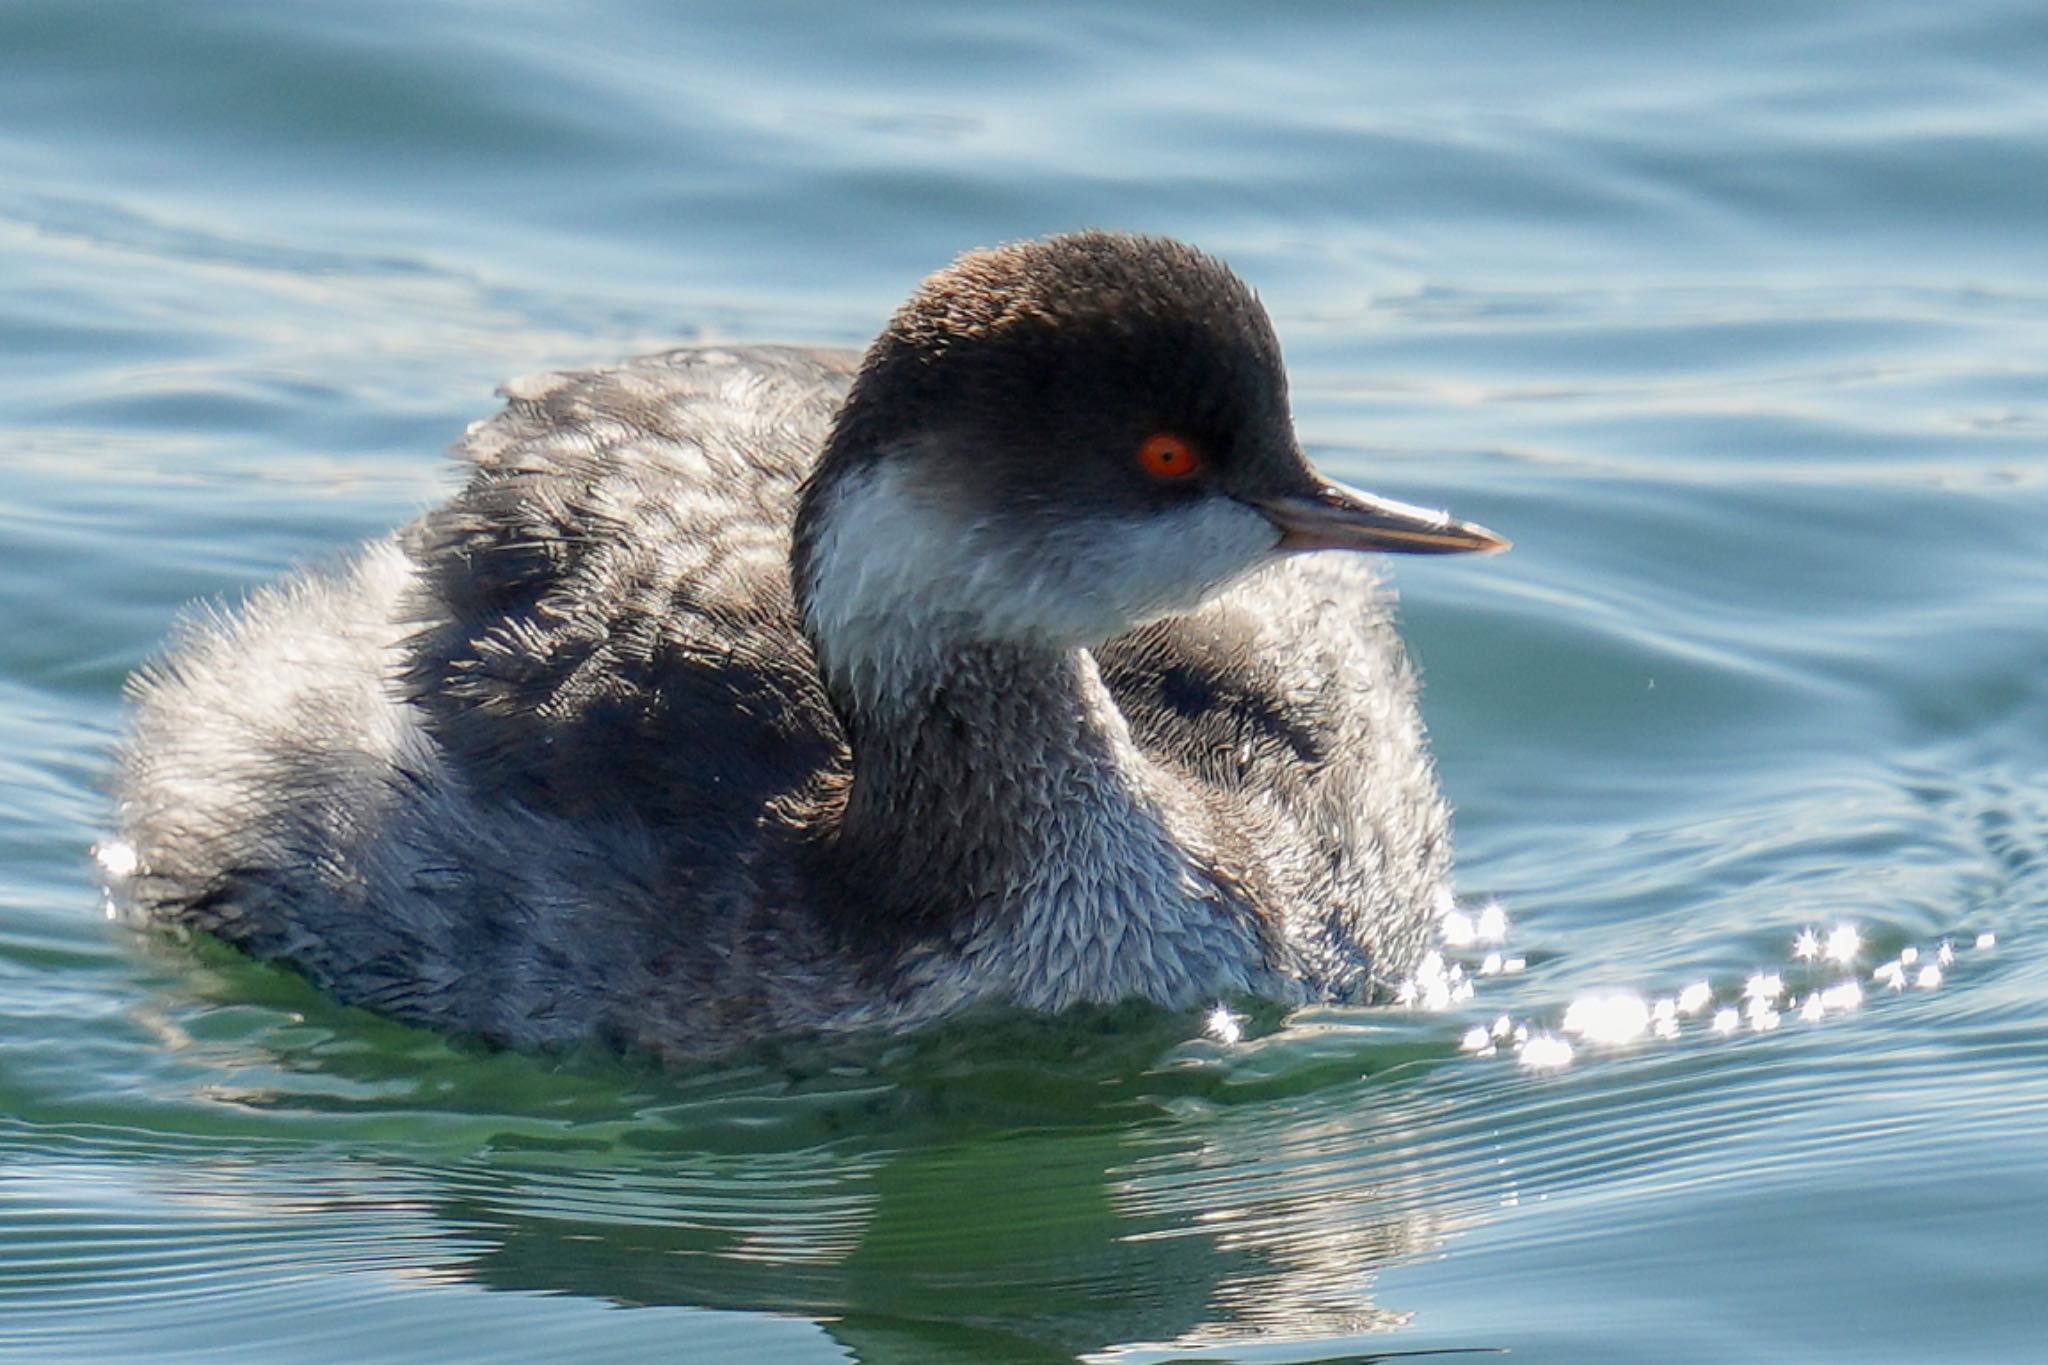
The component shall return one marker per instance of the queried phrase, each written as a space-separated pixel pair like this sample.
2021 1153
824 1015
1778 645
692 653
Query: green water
1732 319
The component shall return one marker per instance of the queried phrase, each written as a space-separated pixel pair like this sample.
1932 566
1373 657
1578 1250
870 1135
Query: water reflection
1217 1226
1295 1217
1039 1191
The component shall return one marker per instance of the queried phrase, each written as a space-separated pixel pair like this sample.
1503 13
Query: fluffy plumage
557 761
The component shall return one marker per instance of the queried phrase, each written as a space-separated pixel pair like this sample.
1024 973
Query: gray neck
1005 837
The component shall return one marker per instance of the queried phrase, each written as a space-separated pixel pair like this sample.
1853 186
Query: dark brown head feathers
1106 325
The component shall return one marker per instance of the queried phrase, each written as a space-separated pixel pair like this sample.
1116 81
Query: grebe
750 691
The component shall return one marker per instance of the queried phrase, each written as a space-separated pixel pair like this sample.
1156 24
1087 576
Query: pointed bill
1332 517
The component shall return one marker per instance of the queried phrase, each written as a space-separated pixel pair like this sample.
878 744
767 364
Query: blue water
1733 318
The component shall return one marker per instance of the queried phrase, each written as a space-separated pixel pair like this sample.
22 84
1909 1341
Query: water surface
1734 321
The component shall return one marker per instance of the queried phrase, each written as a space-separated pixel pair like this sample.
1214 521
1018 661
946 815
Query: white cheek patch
885 578
1158 565
902 577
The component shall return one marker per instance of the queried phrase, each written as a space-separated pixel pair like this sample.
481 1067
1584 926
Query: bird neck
1002 837
971 780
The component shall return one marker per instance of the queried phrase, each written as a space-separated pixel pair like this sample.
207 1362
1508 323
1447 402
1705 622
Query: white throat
903 576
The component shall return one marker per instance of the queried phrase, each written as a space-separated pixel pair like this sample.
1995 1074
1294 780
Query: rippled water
1732 318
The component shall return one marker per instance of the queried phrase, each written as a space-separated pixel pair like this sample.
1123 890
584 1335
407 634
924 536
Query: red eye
1166 456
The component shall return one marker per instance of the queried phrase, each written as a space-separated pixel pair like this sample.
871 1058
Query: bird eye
1166 456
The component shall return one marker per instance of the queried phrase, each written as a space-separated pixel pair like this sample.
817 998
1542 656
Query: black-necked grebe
743 692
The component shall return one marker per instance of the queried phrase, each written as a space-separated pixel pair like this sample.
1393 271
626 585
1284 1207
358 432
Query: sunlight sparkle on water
1224 1025
1545 1052
1843 995
1475 929
1612 1017
1437 984
118 862
117 859
1619 1017
1841 945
